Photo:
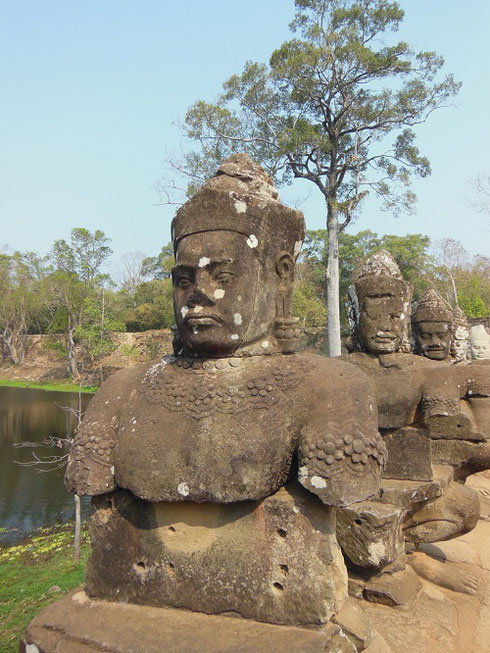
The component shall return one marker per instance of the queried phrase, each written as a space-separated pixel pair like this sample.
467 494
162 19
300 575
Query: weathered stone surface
464 456
399 589
355 624
276 560
378 645
77 624
455 513
370 533
457 425
409 455
406 493
432 322
453 576
338 641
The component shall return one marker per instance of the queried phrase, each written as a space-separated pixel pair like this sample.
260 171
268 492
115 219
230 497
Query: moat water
32 496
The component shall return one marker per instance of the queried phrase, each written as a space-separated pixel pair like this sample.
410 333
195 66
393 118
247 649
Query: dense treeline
67 292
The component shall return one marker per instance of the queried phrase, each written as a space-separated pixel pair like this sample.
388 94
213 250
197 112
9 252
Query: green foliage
411 252
307 306
52 387
154 306
55 344
28 570
159 267
129 350
144 317
83 256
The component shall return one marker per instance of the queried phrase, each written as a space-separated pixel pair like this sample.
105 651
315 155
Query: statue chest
219 435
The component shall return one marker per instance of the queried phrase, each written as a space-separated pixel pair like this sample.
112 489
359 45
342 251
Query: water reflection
30 498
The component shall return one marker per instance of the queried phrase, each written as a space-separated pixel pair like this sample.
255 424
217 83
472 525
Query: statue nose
199 298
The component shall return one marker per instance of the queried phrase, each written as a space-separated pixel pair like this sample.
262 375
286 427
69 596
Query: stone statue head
380 306
460 348
235 248
479 342
432 322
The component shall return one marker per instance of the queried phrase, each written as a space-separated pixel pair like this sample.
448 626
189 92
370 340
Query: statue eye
223 275
184 282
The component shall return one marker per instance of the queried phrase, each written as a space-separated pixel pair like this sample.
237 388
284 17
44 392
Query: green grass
28 570
57 387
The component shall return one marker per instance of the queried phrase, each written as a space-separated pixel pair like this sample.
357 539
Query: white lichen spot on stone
112 469
252 241
402 316
183 489
197 309
376 552
184 310
266 344
194 330
219 293
234 336
78 597
203 261
470 392
31 648
318 482
237 318
297 247
239 298
303 473
240 206
295 509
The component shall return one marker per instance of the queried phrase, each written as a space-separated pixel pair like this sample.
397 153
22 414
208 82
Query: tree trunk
78 528
72 363
333 344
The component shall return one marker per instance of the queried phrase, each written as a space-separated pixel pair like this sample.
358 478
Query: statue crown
432 307
241 197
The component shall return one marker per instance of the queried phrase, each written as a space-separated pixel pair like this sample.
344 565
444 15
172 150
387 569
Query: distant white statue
479 342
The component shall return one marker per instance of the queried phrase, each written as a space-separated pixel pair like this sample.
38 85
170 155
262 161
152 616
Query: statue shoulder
338 375
90 468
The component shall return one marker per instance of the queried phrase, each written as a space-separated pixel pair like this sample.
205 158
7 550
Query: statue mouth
203 319
384 338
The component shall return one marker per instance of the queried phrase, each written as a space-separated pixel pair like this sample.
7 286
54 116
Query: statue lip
202 319
384 337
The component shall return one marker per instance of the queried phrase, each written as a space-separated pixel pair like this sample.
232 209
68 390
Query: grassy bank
56 387
32 575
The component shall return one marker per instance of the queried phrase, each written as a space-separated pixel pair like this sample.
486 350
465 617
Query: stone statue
432 322
192 461
479 343
421 403
460 350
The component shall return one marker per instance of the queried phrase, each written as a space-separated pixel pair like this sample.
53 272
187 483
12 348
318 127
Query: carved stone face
382 324
480 349
223 296
433 339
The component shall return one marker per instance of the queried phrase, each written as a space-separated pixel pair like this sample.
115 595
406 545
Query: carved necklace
199 388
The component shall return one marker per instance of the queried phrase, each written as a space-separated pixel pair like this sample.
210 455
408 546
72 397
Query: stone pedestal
77 624
275 560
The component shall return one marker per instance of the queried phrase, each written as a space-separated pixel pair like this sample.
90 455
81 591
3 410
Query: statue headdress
432 307
241 197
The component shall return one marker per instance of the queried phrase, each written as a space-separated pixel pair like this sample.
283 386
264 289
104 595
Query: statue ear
285 267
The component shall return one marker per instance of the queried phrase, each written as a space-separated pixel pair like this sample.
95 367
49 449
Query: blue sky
92 93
